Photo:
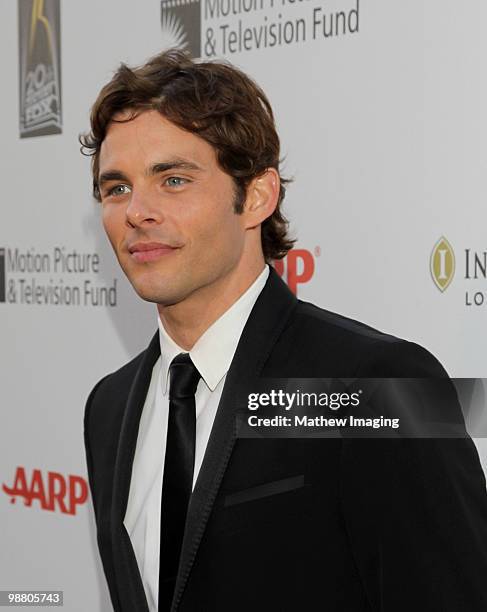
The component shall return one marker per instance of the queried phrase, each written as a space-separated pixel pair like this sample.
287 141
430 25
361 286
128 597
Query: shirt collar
213 352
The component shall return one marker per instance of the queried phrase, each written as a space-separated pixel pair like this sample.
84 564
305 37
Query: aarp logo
297 267
51 491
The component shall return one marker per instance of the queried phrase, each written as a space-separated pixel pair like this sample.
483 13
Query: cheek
113 223
221 239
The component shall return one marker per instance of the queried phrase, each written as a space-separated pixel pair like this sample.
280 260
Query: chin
148 297
149 294
156 295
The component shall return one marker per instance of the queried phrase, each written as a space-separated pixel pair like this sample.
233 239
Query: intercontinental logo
442 264
40 68
181 25
473 267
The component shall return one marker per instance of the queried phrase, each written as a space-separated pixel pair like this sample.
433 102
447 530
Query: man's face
167 209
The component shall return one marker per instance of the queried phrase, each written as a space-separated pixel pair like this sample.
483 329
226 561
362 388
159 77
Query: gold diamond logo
442 264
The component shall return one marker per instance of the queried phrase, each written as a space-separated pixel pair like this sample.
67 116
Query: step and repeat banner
380 105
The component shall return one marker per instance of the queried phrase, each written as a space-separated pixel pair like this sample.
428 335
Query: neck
188 320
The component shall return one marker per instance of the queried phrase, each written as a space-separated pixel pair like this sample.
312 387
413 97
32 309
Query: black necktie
178 471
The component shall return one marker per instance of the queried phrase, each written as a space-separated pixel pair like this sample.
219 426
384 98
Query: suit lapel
266 322
129 581
264 326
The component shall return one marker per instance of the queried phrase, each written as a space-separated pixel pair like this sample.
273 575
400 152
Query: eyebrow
153 170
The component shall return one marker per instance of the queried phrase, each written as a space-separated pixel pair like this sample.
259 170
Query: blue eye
118 190
175 181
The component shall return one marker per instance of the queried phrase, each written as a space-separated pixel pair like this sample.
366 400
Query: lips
149 251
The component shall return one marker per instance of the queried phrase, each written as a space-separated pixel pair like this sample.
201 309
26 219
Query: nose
142 209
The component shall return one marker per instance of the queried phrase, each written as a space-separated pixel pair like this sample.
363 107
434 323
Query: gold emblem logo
40 67
442 264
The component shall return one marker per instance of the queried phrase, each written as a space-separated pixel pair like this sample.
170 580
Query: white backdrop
383 128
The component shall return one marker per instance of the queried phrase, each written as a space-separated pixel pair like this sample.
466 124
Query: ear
262 196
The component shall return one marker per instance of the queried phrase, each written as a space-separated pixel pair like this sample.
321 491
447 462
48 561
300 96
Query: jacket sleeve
86 436
91 467
416 508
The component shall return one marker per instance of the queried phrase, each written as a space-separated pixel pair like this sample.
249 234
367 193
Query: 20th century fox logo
40 67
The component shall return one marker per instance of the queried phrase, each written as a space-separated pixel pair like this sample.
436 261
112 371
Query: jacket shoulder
329 344
106 401
117 381
312 316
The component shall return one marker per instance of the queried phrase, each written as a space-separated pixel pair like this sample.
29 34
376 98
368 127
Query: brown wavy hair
214 100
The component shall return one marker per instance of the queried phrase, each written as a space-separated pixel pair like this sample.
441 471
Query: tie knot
183 377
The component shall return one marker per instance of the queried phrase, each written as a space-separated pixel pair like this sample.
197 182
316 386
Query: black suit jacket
338 524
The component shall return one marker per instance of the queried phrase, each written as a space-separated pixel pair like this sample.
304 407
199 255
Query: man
191 517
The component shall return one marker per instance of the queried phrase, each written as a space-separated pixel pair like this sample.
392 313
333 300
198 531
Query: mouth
142 252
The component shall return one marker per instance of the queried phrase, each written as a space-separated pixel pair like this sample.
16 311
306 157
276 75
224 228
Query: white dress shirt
212 355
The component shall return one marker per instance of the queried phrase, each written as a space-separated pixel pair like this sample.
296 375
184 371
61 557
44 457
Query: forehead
151 138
